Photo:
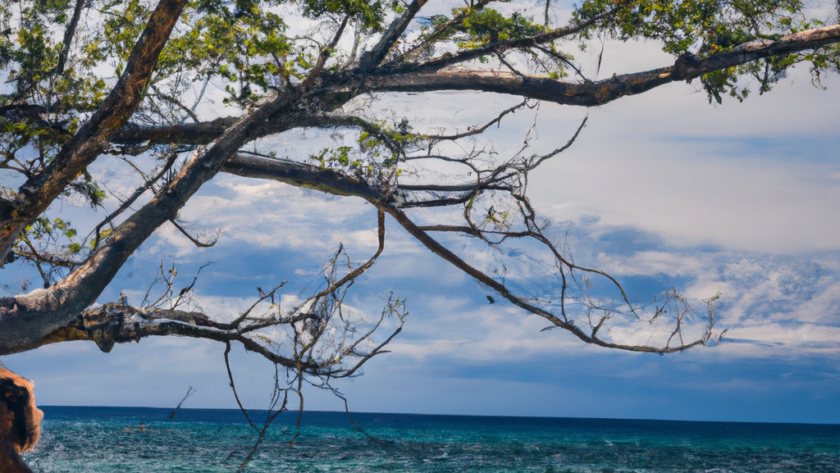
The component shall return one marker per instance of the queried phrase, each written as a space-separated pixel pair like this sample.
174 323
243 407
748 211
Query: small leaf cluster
699 26
43 227
348 160
376 158
29 53
124 22
243 43
369 14
87 188
51 246
487 26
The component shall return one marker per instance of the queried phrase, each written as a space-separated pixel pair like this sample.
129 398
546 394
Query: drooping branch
508 178
307 176
592 338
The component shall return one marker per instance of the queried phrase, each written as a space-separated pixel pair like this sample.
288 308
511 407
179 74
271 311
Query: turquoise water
98 439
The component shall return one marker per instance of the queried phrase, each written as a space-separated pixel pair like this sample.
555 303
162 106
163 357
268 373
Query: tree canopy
90 80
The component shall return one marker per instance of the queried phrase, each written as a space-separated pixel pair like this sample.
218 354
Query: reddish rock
20 421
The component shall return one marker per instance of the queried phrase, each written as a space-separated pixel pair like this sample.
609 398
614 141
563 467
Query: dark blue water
98 439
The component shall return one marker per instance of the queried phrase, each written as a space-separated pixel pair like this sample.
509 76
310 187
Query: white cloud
725 210
651 263
697 174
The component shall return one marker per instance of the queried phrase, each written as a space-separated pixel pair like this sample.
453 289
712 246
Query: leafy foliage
250 48
287 64
486 26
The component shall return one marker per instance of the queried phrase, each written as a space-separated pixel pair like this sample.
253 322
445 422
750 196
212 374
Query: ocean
109 439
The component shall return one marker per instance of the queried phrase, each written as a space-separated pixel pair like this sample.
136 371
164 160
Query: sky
661 190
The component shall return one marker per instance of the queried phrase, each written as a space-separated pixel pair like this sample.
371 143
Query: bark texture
64 312
590 94
39 191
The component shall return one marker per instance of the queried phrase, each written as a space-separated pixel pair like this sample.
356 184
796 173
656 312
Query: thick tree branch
540 88
114 323
39 191
32 316
598 93
183 134
300 175
206 132
324 180
375 56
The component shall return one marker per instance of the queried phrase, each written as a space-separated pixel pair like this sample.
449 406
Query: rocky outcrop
20 421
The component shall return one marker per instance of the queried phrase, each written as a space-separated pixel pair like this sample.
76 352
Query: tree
89 80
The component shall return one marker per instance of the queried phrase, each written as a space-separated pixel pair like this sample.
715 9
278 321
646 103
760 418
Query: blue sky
660 190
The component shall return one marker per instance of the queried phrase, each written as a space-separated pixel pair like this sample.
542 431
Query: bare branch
68 36
502 290
233 387
97 232
177 103
326 52
476 130
375 56
190 392
187 133
201 244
